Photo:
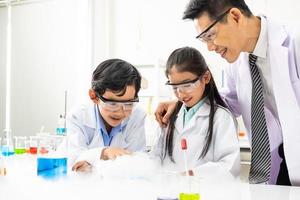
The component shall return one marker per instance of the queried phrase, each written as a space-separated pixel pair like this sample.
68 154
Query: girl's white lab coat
224 152
85 139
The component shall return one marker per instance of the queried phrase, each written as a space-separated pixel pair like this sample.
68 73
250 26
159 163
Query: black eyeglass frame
118 101
186 82
219 18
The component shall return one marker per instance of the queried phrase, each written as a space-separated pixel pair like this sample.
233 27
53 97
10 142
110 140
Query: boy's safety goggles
115 105
185 87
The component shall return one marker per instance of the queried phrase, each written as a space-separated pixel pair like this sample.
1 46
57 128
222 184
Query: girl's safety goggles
185 87
115 105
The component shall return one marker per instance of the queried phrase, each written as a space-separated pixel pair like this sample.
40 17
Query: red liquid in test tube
183 144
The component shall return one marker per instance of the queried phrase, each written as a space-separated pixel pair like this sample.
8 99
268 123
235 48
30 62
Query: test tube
184 148
189 195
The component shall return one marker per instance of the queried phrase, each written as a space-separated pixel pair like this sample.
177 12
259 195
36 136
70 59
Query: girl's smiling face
188 87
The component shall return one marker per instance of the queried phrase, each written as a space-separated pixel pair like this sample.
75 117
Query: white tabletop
21 183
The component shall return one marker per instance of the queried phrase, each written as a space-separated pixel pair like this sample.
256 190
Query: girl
200 117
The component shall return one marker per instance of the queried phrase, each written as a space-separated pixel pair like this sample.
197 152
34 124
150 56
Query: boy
112 125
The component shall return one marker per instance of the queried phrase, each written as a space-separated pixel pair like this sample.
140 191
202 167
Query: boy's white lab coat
224 152
86 142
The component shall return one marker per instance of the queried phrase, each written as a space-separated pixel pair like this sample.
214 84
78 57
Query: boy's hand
82 166
112 153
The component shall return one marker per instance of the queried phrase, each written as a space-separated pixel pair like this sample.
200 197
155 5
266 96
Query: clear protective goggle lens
208 36
115 106
185 87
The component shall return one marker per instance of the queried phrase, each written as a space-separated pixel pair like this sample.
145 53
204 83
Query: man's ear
93 96
235 14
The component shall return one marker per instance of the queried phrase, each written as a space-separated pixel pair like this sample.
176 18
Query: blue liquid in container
7 151
51 168
61 131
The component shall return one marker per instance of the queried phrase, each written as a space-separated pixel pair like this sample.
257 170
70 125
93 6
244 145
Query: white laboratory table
21 183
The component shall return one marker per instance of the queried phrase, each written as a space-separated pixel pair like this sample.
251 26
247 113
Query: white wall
50 53
286 11
3 16
101 18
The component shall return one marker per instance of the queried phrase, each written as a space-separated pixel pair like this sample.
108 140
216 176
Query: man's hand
164 111
82 166
112 153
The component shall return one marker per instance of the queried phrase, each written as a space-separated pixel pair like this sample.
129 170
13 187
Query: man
262 83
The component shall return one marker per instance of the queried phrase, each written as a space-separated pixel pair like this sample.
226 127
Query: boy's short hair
115 75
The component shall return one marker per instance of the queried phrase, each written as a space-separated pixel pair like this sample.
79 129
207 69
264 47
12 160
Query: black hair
115 75
188 59
213 8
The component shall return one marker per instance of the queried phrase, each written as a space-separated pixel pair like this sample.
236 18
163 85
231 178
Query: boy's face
226 38
114 113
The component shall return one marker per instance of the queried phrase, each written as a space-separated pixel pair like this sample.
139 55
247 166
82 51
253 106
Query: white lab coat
86 142
284 54
224 152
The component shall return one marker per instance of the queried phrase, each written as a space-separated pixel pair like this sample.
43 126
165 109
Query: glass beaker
190 188
168 187
52 156
33 144
20 144
7 145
